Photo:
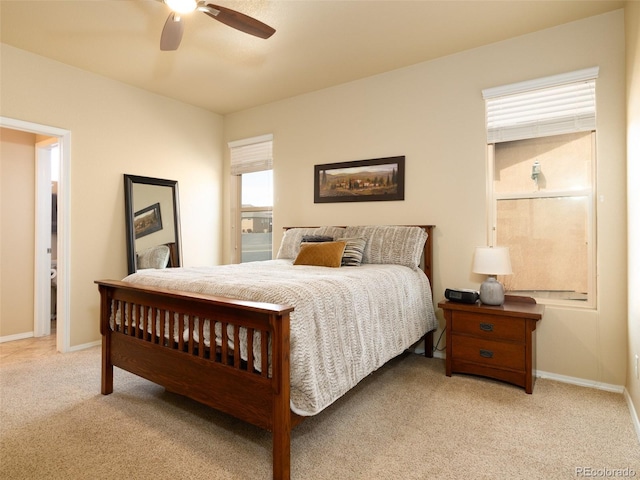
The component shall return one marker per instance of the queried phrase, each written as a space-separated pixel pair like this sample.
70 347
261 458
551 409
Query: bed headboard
427 254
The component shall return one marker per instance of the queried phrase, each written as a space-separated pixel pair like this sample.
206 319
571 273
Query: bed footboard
161 335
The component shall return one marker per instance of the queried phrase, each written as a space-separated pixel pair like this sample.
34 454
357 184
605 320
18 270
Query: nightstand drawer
487 352
489 327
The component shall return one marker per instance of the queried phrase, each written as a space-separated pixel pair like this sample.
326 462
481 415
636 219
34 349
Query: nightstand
496 342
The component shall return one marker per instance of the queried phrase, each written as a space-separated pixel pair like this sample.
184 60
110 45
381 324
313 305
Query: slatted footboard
160 335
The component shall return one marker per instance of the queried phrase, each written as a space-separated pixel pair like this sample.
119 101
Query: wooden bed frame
254 393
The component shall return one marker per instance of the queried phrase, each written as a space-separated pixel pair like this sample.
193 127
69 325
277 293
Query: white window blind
251 154
547 106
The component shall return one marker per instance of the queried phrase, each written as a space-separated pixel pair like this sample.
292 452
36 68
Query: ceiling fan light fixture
182 6
174 26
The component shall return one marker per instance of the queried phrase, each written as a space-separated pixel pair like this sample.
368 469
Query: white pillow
390 244
154 257
290 245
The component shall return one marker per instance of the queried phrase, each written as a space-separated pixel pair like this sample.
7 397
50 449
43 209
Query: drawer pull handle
486 327
486 353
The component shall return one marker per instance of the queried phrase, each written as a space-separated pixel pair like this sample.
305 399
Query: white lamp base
491 292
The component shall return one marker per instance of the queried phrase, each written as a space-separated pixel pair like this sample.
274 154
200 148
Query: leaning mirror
152 222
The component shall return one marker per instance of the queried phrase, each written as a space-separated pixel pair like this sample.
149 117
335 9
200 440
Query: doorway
42 283
46 236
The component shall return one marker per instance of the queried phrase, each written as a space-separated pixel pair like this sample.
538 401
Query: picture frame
373 180
147 220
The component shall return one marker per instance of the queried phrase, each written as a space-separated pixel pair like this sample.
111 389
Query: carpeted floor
406 421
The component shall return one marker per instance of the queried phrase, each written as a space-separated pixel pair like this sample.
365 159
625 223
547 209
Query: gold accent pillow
325 254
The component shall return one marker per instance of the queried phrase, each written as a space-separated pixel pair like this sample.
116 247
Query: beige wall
117 129
17 231
632 27
433 113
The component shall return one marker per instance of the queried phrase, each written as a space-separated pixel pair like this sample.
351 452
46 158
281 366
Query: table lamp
492 261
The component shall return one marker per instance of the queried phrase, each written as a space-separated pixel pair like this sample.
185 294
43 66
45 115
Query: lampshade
492 261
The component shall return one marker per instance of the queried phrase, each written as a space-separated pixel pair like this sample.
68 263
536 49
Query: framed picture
147 220
378 179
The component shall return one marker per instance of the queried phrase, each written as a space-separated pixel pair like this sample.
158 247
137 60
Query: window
252 203
541 151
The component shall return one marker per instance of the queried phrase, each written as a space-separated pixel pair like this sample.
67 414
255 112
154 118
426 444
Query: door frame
63 324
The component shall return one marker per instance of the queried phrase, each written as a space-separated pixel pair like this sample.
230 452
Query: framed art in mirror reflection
147 220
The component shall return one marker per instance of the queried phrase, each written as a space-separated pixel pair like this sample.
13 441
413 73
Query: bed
276 341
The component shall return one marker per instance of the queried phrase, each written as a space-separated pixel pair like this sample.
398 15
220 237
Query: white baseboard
85 346
439 354
419 350
580 381
21 336
17 336
634 413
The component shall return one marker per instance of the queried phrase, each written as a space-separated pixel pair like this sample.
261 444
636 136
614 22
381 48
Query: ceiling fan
174 26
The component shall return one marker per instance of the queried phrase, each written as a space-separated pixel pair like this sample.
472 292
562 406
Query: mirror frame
129 182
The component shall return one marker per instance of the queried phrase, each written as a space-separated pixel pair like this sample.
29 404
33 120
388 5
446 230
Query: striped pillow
400 245
353 251
290 244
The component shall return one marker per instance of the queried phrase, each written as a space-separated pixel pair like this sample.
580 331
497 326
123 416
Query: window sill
554 298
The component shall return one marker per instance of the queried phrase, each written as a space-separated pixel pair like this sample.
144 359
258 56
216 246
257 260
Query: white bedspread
347 321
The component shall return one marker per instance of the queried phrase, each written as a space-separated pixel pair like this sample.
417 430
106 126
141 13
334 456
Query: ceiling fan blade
171 33
238 20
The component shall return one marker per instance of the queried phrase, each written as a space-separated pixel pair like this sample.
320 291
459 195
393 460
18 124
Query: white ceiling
317 44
